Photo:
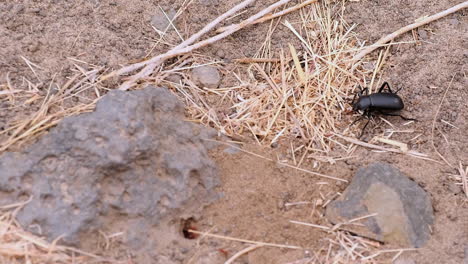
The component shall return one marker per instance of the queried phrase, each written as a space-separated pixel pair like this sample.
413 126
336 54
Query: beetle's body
385 103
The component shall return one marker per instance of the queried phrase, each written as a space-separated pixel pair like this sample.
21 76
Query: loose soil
255 191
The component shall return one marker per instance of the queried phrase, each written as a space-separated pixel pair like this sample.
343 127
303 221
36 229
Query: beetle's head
362 104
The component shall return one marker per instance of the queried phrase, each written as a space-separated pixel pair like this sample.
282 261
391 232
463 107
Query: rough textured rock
404 211
206 76
129 164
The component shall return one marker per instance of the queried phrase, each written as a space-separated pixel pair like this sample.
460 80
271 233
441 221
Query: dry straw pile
19 246
299 92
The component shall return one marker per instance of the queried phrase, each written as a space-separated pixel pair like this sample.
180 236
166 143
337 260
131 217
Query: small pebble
423 34
160 21
454 188
220 53
368 66
206 76
453 22
33 47
34 10
175 78
17 9
452 217
231 150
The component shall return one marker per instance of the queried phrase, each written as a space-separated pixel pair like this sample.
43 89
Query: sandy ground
54 34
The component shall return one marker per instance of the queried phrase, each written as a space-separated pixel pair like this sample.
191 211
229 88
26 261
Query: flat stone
206 76
403 210
454 188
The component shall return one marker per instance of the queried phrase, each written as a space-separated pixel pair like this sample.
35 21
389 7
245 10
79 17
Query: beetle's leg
406 118
356 120
364 128
402 117
365 91
368 114
354 98
385 84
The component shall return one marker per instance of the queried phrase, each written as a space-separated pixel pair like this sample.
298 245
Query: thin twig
275 15
184 44
244 240
407 28
242 252
464 178
156 61
369 145
434 123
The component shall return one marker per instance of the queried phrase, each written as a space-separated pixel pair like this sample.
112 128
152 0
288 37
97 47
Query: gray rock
132 160
160 20
206 76
404 210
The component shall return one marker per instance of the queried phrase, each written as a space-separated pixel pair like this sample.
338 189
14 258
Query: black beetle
385 103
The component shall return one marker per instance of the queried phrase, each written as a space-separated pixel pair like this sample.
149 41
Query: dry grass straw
259 243
242 252
434 124
298 92
149 66
461 178
54 104
344 248
20 246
